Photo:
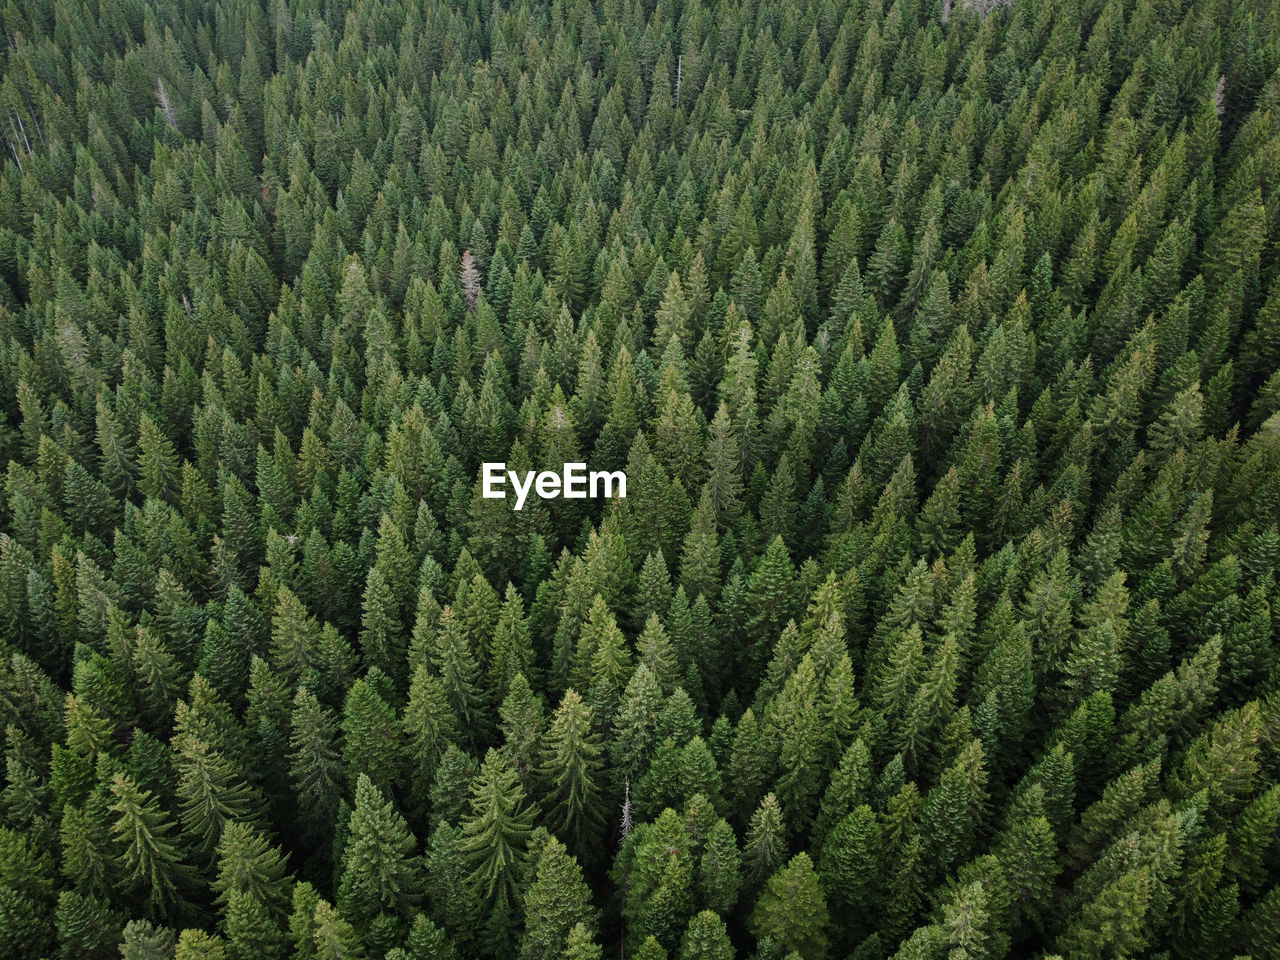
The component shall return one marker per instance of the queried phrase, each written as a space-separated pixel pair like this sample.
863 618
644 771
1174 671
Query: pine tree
771 595
211 792
153 866
764 847
653 589
295 636
496 830
672 319
1027 854
850 863
792 910
512 651
656 652
158 461
198 945
658 868
953 809
470 280
380 871
428 942
1112 924
571 766
635 724
371 736
381 630
251 931
557 900
581 945
27 884
797 726
522 729
700 555
118 456
720 869
333 937
451 658
248 864
315 761
429 727
145 941
1252 836
706 939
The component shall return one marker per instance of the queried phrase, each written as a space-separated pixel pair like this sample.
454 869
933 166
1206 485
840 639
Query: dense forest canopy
941 352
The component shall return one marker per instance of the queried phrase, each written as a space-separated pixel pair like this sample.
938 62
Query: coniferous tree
380 872
764 847
496 829
792 910
315 765
571 767
557 901
248 864
152 865
706 939
370 736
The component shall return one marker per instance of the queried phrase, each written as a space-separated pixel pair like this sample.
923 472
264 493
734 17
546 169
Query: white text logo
574 482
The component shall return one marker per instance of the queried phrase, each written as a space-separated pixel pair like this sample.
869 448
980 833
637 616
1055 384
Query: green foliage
558 900
938 343
496 830
572 768
151 861
792 910
380 871
706 939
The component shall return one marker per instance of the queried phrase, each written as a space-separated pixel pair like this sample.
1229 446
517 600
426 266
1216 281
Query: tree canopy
939 343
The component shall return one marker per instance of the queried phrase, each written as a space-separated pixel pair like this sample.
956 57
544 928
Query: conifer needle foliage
939 343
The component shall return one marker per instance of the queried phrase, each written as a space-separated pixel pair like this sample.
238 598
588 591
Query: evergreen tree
1111 924
764 848
706 939
153 866
380 871
557 901
315 767
719 869
792 910
210 792
571 766
851 869
371 736
429 726
198 945
496 830
333 937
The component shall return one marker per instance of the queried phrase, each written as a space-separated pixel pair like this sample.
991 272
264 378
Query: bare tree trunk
24 132
166 105
13 144
470 278
16 159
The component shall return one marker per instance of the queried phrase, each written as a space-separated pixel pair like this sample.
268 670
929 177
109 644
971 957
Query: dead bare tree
166 105
470 278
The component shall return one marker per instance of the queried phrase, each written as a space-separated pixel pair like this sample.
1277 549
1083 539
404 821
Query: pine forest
936 342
